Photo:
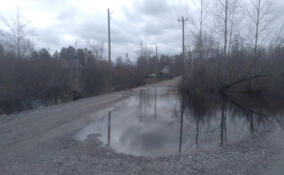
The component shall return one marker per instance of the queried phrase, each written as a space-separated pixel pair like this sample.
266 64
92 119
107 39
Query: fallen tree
238 81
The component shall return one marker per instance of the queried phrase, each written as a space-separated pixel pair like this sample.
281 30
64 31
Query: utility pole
156 62
109 53
182 20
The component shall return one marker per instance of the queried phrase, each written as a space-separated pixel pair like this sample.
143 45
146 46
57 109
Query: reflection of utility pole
225 126
108 128
109 53
222 124
251 123
140 105
182 20
197 132
181 126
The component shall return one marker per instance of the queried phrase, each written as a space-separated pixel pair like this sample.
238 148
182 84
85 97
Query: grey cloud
48 36
69 13
151 21
155 16
91 29
158 24
152 29
51 4
147 10
130 15
153 8
121 37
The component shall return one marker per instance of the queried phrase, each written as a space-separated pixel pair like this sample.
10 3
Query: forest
41 78
237 49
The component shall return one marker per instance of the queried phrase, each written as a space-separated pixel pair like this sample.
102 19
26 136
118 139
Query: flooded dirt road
159 122
147 130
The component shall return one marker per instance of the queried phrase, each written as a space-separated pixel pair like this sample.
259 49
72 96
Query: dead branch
241 80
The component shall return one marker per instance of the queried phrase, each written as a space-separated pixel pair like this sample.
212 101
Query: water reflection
160 122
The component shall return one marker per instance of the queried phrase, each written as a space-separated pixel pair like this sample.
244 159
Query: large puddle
159 122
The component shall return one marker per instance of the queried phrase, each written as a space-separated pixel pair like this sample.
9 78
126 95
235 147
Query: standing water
160 122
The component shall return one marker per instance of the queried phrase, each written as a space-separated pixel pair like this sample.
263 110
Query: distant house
165 73
151 78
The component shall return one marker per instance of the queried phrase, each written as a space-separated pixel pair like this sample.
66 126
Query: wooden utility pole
156 62
182 20
109 53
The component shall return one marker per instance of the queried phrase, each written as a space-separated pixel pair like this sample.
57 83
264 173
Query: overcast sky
58 23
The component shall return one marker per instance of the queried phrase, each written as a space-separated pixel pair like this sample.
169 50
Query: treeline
239 72
239 50
42 78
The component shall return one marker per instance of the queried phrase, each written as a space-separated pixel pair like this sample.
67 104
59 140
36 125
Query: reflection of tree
254 111
250 116
223 124
198 107
146 99
197 132
140 105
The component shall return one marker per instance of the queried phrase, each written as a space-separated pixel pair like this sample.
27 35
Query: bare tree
260 16
16 34
144 50
225 16
202 6
278 40
97 48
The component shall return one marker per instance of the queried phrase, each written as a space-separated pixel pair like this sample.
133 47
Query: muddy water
159 122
